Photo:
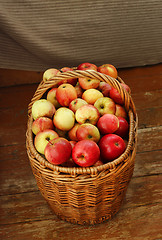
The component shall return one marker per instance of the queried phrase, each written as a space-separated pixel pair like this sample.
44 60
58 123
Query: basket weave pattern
84 195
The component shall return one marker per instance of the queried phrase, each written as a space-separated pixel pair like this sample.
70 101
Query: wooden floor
25 215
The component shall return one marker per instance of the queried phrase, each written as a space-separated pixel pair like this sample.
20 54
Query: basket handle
45 85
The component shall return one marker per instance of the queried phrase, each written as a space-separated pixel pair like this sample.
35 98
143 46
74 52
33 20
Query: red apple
88 131
108 69
105 105
127 88
43 108
65 94
66 69
86 153
49 73
87 66
64 119
41 124
51 96
42 139
108 123
111 147
98 163
120 111
123 129
58 151
115 95
79 90
77 103
72 132
104 88
87 114
87 83
91 95
71 81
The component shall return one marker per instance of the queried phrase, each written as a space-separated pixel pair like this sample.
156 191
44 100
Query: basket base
91 218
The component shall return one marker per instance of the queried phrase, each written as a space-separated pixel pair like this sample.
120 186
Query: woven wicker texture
84 195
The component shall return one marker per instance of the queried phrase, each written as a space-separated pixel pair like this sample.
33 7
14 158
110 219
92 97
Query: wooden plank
143 79
10 77
137 223
149 139
144 100
148 163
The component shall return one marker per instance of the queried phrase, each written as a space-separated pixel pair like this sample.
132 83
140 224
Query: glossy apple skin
88 83
86 153
77 103
108 69
51 96
115 95
61 115
58 151
43 108
87 114
91 95
123 129
88 131
104 88
49 73
41 124
87 66
105 105
65 94
108 123
111 147
42 139
120 111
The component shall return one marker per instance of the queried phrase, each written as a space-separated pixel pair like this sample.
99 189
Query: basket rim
93 170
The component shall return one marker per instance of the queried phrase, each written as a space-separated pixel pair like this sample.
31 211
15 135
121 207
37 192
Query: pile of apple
80 122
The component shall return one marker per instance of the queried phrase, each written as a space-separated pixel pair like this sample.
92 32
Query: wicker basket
84 195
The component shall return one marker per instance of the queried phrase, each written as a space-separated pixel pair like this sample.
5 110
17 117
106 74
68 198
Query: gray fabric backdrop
37 34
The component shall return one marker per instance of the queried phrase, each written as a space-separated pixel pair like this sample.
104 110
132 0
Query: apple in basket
42 138
108 123
85 153
111 147
49 73
41 124
64 119
87 83
51 96
104 88
72 81
43 108
120 111
87 66
65 94
87 114
123 129
77 103
88 131
58 151
108 69
105 105
91 95
72 132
